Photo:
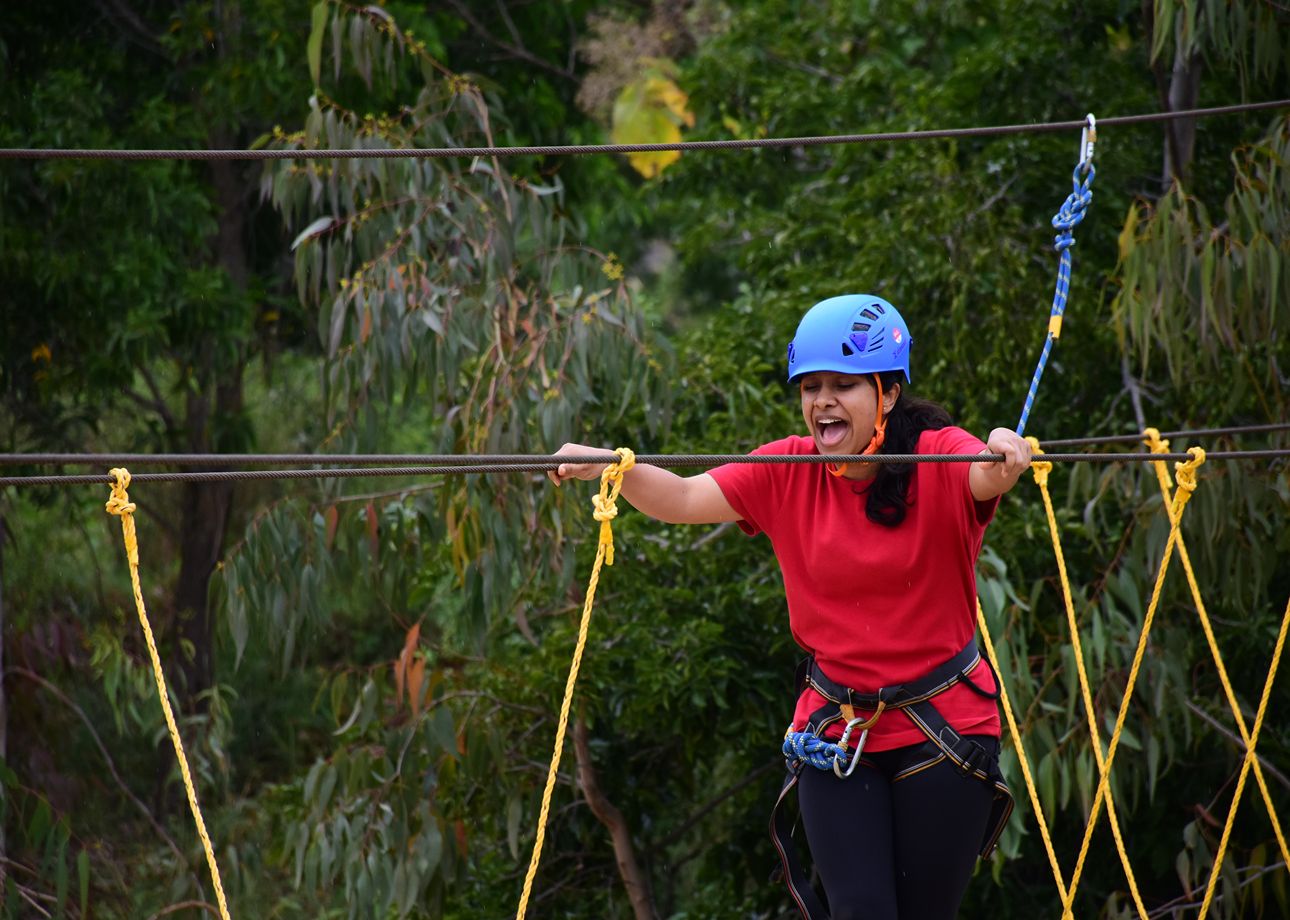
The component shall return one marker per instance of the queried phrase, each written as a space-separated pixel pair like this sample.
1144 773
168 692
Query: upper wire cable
49 153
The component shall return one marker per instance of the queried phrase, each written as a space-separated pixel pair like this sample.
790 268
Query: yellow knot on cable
611 483
1185 474
1151 437
119 503
1041 468
1158 445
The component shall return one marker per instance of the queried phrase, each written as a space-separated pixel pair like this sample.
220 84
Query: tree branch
143 809
151 405
720 797
134 29
1172 908
515 50
1240 745
629 869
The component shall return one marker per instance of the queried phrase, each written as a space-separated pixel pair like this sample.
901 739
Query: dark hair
887 497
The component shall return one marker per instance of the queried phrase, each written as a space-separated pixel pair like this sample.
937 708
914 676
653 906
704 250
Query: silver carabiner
855 758
1087 138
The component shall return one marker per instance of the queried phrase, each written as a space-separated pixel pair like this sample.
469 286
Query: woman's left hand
993 478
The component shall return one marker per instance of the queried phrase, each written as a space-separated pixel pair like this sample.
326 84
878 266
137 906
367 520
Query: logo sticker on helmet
895 334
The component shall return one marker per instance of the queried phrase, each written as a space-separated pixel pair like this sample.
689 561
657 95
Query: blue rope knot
1073 208
809 748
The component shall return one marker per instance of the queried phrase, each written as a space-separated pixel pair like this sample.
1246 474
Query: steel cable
1138 437
538 464
48 153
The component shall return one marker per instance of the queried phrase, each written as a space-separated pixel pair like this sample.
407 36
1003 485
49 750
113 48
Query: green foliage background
385 662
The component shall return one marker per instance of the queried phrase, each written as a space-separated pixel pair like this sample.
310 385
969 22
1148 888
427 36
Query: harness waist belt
939 680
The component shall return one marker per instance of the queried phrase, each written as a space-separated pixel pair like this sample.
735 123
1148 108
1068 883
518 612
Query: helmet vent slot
867 313
879 307
859 327
846 350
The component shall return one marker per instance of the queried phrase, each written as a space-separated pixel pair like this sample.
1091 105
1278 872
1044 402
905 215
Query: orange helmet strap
879 432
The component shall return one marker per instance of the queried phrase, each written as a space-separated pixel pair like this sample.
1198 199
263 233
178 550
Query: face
840 410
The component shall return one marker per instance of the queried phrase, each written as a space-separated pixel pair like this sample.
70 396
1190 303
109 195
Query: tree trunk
1184 91
628 867
1177 91
218 399
204 516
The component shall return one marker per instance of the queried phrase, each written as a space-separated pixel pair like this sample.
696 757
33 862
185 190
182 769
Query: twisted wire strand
1184 433
47 153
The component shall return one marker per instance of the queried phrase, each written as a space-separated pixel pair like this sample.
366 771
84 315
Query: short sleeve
953 440
754 490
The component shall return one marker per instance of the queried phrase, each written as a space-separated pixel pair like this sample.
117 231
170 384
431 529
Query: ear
889 398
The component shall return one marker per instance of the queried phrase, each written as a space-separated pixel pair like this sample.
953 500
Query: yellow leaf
662 91
651 110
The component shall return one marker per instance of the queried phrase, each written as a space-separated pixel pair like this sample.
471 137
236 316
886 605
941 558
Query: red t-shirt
875 605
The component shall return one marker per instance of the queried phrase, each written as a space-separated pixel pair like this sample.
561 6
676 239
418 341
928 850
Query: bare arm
989 480
652 490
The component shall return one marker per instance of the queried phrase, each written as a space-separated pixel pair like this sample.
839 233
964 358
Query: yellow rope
119 504
1158 445
1250 760
611 483
1186 476
1021 754
1041 469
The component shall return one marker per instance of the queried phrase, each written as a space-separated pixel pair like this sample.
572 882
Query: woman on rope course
879 567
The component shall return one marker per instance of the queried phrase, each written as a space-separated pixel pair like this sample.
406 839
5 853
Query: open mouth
830 431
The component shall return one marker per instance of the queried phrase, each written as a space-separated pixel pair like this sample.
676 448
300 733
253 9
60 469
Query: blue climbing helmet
850 334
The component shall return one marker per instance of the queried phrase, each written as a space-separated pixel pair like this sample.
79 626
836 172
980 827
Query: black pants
895 841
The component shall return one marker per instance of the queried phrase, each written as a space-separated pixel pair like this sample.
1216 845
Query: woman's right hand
579 470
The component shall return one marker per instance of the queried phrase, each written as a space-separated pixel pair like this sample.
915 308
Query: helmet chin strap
879 432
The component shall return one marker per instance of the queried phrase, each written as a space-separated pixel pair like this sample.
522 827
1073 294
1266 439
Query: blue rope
1071 213
811 749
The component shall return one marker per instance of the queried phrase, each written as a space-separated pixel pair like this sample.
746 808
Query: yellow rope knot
1158 445
1151 437
119 503
1185 474
1041 468
611 483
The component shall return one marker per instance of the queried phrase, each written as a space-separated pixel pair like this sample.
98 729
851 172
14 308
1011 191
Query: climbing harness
914 698
1064 221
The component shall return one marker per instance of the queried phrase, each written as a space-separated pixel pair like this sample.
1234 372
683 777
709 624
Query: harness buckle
976 758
